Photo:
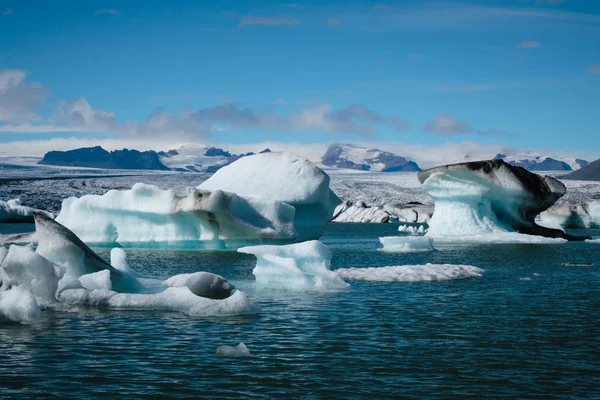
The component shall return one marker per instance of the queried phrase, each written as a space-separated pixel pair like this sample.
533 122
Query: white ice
585 215
233 351
18 305
281 177
359 212
13 210
299 266
406 244
265 196
411 273
412 230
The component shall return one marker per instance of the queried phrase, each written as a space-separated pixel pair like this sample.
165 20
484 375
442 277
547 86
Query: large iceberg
490 200
65 270
284 178
585 215
269 196
14 211
299 266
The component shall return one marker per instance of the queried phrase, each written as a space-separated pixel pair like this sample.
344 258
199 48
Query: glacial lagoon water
529 327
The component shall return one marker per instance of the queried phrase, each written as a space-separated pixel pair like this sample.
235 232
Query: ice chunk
31 271
299 266
3 253
476 199
585 215
359 212
18 305
282 177
202 284
411 273
231 351
412 230
406 244
97 280
179 299
14 211
410 212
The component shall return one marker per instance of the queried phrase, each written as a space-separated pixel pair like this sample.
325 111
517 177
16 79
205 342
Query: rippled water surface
492 336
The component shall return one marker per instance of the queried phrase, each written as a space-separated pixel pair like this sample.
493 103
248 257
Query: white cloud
447 124
19 99
531 44
109 11
250 20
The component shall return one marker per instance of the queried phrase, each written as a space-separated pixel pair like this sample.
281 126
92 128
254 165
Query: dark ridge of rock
97 157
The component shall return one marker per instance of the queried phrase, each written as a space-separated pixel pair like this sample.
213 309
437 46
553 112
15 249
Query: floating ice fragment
406 244
586 215
18 305
299 266
411 273
203 284
231 351
525 279
97 280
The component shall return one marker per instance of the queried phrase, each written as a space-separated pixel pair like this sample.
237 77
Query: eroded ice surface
299 266
411 273
490 201
406 244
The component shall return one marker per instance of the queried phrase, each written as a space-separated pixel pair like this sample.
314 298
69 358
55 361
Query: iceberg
65 270
285 178
14 211
490 201
231 351
413 212
359 212
412 230
269 196
586 215
299 266
411 273
406 244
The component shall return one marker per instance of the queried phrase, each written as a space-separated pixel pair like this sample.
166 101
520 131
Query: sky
157 74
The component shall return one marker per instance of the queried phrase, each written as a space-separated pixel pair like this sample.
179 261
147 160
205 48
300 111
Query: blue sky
522 73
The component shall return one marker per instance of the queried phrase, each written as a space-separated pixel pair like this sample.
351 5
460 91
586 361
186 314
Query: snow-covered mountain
199 158
536 162
350 156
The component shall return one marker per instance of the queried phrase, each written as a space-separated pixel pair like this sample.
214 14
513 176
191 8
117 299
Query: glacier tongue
299 266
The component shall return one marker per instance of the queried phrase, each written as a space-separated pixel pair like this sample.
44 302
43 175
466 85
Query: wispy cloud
448 124
415 56
250 20
334 21
468 89
19 99
110 11
531 44
594 69
7 11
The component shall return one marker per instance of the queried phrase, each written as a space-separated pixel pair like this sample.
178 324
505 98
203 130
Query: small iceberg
412 230
411 273
299 266
64 270
406 244
230 351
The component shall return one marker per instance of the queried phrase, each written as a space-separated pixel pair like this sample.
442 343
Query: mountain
97 157
349 156
533 162
200 158
590 172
